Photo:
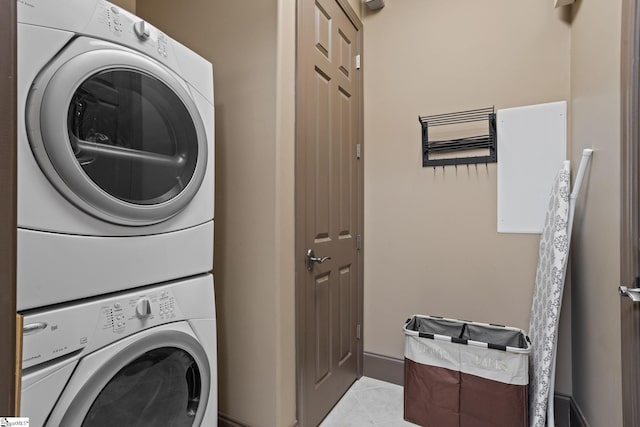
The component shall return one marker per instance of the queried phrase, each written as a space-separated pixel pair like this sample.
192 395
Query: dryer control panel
74 329
103 20
132 31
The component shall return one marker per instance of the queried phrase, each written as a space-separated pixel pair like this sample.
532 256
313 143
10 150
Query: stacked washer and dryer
115 220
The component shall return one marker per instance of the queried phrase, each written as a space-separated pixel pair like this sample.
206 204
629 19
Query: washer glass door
158 377
162 387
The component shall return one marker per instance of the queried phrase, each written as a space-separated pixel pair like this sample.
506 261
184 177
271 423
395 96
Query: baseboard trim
562 409
577 417
226 421
383 368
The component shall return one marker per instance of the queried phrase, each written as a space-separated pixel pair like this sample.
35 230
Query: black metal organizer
430 148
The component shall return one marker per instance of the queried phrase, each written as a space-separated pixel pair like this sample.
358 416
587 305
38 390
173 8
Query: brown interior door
329 205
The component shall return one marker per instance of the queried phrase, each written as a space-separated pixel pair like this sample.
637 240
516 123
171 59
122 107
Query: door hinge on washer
358 331
357 62
358 151
358 242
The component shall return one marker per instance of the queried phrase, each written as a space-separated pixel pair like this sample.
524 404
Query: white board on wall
532 144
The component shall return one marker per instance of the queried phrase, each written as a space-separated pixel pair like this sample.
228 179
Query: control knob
141 28
143 308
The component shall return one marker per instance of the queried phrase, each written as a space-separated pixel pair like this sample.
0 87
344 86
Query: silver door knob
311 259
633 293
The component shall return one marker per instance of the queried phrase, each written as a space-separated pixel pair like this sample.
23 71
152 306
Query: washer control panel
137 312
80 327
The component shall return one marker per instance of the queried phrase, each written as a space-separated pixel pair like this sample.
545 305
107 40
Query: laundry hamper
465 374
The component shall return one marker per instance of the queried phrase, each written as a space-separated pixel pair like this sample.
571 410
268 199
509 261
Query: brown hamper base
440 397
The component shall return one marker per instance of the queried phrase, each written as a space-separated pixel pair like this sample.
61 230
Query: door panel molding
9 359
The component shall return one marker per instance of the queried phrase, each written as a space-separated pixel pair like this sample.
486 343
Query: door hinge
358 331
358 151
358 242
357 62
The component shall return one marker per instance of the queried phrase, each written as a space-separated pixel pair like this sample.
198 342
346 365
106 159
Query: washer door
161 379
117 133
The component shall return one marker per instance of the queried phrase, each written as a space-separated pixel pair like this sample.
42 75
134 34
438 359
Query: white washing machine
115 153
145 358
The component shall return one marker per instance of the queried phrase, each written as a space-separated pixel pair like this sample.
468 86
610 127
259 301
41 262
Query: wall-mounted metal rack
434 152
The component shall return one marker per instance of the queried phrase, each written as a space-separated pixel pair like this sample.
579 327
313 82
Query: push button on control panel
167 307
114 318
162 45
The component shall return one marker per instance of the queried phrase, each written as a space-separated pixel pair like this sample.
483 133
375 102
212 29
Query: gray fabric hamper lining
469 331
436 326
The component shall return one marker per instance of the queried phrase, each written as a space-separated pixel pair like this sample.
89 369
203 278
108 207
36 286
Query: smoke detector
374 4
559 3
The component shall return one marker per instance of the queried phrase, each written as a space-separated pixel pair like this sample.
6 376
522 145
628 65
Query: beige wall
431 245
357 6
129 5
252 47
595 87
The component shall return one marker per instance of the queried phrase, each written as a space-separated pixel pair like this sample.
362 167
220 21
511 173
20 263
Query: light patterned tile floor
369 402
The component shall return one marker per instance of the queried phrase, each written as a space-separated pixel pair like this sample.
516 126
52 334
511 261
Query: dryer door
117 133
160 379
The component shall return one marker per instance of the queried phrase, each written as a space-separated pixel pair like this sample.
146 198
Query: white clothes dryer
145 358
115 153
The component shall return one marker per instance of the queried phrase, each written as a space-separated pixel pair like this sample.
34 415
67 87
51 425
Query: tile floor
369 402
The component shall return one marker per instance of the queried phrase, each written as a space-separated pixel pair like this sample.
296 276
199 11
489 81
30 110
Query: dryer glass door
132 136
117 133
162 387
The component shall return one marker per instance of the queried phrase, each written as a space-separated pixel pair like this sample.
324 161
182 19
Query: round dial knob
141 28
143 308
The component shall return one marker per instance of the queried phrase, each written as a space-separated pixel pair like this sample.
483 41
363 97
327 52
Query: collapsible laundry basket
465 374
